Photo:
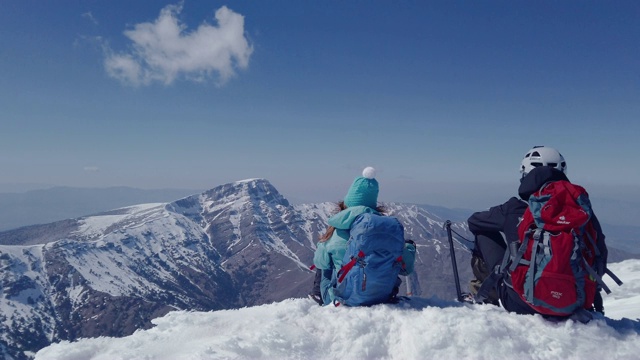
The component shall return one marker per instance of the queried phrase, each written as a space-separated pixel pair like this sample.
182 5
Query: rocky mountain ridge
239 244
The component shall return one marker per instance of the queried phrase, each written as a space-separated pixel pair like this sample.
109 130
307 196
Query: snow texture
415 329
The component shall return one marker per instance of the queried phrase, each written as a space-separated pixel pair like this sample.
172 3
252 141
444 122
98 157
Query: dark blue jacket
505 218
501 218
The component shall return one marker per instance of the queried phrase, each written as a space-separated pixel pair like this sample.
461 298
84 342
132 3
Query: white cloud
164 50
88 15
91 169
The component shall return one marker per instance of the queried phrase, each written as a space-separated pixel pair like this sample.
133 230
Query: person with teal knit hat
361 198
364 190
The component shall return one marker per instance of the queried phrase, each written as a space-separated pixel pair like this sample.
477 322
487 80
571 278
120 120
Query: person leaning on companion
361 198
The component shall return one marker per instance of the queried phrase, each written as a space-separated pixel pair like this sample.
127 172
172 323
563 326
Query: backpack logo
556 294
562 220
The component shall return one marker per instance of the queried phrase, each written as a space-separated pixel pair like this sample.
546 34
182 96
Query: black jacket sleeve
503 218
600 243
488 221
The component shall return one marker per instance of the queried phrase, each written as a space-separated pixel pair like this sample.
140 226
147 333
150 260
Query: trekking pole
447 225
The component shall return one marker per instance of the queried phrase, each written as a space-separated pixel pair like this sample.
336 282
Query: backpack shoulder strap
512 257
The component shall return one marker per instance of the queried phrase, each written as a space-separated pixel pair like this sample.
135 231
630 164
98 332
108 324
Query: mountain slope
239 244
423 328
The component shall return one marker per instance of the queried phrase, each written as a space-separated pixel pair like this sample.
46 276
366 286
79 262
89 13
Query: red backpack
558 265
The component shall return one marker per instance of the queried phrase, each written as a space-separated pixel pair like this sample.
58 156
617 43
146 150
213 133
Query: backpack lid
560 206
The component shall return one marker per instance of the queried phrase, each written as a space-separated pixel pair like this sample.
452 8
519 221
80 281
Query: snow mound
414 329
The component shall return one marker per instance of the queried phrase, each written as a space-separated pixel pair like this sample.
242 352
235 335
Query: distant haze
60 203
618 208
616 205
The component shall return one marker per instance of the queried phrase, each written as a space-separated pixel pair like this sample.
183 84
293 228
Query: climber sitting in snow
351 245
554 245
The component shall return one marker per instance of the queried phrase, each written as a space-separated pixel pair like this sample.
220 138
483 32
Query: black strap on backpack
512 257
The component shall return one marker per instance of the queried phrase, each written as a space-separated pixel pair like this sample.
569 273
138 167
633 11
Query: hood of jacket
346 217
538 177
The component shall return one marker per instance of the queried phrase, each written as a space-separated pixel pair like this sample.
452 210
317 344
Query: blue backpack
372 261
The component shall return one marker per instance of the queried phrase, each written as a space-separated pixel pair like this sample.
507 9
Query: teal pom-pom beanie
364 190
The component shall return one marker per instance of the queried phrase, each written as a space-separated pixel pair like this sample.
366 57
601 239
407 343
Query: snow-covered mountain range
239 244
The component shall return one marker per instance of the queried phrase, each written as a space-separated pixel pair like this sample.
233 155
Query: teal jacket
329 253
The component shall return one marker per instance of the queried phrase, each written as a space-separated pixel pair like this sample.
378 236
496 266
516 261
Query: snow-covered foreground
624 301
417 329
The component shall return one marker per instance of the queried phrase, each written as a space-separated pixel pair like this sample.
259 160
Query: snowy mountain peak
250 190
234 196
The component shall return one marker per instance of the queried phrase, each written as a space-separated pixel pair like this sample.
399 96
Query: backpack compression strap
512 258
346 268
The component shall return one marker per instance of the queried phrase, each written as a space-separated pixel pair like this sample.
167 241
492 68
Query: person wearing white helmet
542 156
497 227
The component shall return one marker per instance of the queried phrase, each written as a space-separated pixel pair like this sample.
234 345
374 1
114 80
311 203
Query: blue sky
442 97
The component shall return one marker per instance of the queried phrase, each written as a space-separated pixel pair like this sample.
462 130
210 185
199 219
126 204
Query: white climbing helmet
542 156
